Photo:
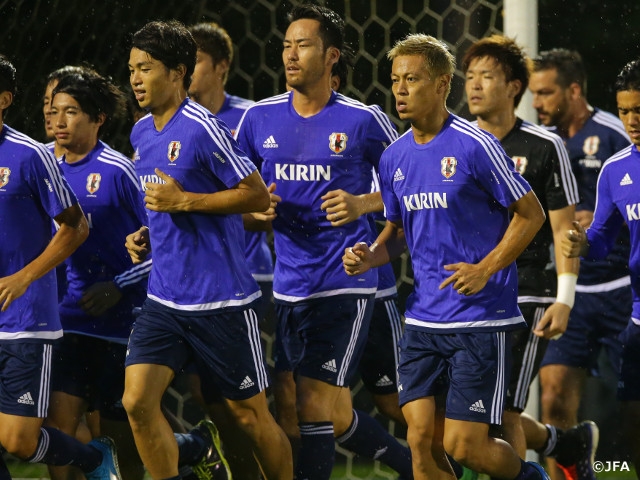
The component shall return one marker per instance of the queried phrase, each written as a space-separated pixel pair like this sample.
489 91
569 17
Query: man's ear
6 99
333 55
179 72
575 90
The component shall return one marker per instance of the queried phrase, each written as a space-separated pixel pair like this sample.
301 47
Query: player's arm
261 221
528 217
388 246
249 195
343 207
556 317
72 232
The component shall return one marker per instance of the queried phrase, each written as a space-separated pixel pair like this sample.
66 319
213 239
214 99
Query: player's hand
574 241
554 321
584 217
467 278
168 197
341 207
12 287
357 259
99 298
138 245
270 214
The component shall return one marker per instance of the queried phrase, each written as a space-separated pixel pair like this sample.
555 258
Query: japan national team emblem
448 166
4 176
93 182
174 151
338 142
591 145
521 164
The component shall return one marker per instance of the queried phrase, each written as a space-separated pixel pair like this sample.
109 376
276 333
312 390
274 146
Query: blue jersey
306 158
198 258
618 202
452 196
601 136
32 192
256 247
386 276
109 193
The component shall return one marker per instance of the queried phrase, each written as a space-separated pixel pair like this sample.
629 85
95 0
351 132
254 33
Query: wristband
567 288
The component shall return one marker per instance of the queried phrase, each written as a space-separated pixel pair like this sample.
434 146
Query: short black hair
8 81
508 54
95 94
331 25
62 72
341 67
568 64
629 77
170 43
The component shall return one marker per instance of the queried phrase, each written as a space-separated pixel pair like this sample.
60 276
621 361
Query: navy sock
57 448
528 472
190 447
457 468
317 451
366 437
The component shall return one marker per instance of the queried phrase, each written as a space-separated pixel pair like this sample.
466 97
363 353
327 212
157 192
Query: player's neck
58 150
78 152
212 101
164 112
499 124
426 128
308 102
579 116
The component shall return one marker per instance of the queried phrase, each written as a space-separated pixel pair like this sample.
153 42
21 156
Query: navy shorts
629 381
379 365
225 345
527 350
596 321
93 369
25 375
471 368
324 338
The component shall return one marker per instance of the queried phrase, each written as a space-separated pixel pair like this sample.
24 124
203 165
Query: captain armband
567 288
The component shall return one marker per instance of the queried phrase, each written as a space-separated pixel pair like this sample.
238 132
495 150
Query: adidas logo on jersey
330 365
398 175
270 142
626 180
478 407
26 399
384 382
246 383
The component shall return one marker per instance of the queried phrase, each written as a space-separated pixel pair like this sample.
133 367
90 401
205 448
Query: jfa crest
448 166
591 145
174 151
4 176
338 142
93 182
521 164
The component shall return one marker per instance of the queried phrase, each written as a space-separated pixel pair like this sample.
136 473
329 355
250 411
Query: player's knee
464 452
20 443
139 408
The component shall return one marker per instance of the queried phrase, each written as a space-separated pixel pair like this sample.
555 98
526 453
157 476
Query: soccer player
213 61
201 297
308 142
103 285
448 188
497 74
34 192
617 203
603 295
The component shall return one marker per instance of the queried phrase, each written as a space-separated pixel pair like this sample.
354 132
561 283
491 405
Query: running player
448 188
309 142
33 192
103 286
201 298
617 203
603 294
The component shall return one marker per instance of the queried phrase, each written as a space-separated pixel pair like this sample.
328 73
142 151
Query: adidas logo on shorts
26 399
270 142
246 383
330 365
384 382
478 407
